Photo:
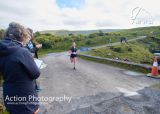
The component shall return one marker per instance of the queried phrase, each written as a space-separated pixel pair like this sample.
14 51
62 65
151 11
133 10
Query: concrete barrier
118 63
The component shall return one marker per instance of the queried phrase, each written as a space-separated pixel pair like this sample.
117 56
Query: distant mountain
84 32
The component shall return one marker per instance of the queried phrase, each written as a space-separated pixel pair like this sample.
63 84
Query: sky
80 14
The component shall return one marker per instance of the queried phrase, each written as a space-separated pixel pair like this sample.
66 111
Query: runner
73 56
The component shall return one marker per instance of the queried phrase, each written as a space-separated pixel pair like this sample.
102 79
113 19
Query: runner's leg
74 62
71 59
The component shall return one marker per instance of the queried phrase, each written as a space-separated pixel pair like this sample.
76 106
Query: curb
128 65
150 75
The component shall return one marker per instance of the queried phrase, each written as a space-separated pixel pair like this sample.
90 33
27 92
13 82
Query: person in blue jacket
32 46
19 72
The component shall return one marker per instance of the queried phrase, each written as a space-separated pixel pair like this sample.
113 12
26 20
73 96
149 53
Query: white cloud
95 14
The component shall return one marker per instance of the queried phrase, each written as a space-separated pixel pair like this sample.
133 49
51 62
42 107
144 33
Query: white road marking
126 92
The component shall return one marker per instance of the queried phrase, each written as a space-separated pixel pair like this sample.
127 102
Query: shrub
130 49
48 34
37 34
90 42
93 35
46 42
101 33
134 34
106 34
117 49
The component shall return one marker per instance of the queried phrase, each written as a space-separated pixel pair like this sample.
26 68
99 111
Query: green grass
148 31
5 112
134 52
2 109
60 43
137 51
120 65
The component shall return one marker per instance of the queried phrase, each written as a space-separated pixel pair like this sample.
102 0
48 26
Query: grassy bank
120 65
137 52
133 52
147 31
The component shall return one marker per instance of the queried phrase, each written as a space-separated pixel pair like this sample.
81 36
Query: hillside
84 32
53 43
134 31
138 51
153 31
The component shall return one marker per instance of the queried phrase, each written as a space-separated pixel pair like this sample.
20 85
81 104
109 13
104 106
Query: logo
141 16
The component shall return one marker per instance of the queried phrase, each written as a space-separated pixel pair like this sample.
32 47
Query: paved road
91 83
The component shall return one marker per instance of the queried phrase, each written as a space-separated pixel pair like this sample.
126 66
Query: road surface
91 83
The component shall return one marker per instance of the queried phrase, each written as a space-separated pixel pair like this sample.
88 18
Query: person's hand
69 52
39 46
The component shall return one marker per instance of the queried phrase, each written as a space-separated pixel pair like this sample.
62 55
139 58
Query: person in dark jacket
19 72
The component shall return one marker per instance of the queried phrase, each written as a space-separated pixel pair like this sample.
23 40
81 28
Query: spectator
32 46
19 71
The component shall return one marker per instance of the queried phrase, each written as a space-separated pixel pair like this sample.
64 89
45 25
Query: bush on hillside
118 49
93 35
130 49
90 42
46 42
37 34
